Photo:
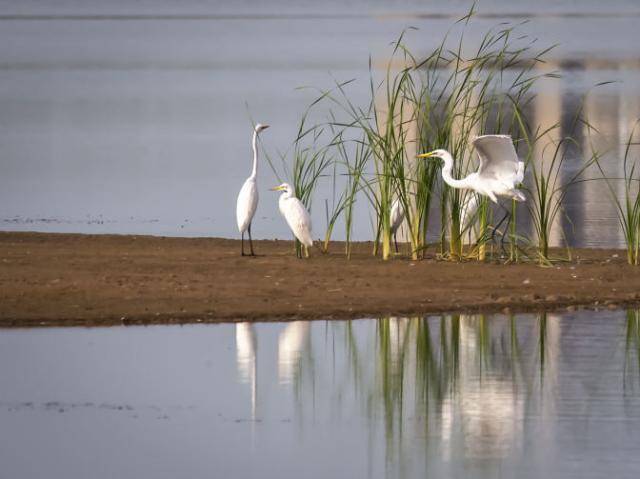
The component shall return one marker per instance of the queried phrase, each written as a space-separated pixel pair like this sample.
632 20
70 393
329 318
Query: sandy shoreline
69 279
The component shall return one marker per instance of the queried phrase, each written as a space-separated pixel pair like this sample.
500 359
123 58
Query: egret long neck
447 169
254 144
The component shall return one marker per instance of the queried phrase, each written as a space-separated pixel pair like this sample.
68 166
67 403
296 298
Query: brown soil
65 279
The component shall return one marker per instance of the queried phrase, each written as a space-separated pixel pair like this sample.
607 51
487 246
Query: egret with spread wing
295 214
248 196
499 173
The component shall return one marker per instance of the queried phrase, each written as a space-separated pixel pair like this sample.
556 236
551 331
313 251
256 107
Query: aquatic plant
627 208
385 134
474 96
337 207
350 160
355 172
442 100
546 158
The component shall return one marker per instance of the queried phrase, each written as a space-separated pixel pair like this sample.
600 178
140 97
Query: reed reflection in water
555 395
543 393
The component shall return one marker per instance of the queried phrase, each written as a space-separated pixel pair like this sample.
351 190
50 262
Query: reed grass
464 95
441 100
355 175
627 208
311 153
547 187
385 135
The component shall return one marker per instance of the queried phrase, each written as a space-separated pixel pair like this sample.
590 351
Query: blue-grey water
135 117
454 396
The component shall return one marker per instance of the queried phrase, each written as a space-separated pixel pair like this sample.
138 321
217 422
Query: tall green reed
547 155
385 134
457 91
467 94
355 174
628 208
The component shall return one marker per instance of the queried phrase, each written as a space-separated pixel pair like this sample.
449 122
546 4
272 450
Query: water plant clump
443 101
627 207
440 100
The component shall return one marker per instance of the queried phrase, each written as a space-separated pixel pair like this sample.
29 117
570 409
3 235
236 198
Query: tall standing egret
499 173
396 217
295 214
248 196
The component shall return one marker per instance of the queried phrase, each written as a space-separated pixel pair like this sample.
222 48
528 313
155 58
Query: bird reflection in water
246 357
292 343
484 412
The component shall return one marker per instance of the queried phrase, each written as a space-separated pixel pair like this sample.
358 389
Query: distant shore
93 280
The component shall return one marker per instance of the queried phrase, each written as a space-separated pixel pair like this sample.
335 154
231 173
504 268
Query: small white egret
248 196
396 218
499 173
296 215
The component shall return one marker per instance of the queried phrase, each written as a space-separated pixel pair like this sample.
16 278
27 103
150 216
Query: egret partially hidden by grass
248 196
500 170
499 174
396 218
296 215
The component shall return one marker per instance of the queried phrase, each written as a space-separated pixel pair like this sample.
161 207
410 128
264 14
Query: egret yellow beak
277 188
425 155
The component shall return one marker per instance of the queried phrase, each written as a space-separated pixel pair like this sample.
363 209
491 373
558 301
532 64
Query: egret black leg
495 230
242 243
395 242
250 241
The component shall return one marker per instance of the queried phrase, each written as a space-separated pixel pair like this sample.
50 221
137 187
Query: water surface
443 396
126 117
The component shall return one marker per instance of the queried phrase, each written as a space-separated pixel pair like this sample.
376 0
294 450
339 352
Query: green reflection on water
474 388
632 352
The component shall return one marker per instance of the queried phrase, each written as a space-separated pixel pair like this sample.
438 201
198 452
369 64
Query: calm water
454 396
134 117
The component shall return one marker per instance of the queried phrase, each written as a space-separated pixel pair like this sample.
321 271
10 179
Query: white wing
246 204
498 159
298 219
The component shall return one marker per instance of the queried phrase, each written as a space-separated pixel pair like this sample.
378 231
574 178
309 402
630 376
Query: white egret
499 173
396 218
295 214
248 196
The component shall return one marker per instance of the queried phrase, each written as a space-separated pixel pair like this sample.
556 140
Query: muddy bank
63 279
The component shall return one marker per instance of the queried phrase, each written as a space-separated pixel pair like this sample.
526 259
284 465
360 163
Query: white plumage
396 217
499 173
500 169
247 202
292 343
295 214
